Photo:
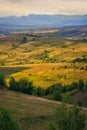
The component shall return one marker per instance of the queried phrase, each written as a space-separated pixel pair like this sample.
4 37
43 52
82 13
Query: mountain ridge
51 20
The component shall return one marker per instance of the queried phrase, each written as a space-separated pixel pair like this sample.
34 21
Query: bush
26 86
68 118
24 40
13 85
7 121
66 98
81 85
2 81
39 92
23 85
57 96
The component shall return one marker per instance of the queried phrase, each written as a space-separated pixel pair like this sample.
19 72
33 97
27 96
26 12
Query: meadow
45 60
46 74
32 113
42 59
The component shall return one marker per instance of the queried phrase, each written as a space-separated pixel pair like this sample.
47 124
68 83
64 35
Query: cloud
25 7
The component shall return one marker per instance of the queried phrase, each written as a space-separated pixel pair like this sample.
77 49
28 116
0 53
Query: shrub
2 81
80 85
68 118
26 86
7 121
39 92
24 40
13 84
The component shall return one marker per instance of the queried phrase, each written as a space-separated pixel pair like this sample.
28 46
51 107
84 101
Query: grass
40 50
44 60
80 97
10 70
33 113
46 74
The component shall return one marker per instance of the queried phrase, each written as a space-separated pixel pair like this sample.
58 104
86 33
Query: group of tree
83 59
54 92
23 85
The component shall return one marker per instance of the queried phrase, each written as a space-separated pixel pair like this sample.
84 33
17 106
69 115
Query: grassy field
46 74
40 50
43 60
33 113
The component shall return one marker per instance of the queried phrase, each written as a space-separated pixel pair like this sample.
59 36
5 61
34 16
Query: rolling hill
79 32
42 59
33 22
32 112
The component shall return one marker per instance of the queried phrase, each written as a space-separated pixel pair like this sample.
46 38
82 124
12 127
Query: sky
26 7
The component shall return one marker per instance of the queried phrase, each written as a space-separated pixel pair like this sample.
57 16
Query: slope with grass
43 60
40 50
33 113
80 98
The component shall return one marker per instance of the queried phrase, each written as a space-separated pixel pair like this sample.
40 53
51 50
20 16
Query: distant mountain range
34 21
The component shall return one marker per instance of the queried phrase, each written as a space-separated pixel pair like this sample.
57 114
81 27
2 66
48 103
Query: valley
43 65
43 59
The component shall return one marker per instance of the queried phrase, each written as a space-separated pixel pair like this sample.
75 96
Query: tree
7 120
55 87
80 85
85 87
66 98
24 40
68 118
2 81
13 85
26 86
57 96
39 91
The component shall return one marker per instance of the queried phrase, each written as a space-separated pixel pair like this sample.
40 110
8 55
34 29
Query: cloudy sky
25 7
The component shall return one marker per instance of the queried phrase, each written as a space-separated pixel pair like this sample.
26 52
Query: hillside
32 112
79 32
42 59
80 97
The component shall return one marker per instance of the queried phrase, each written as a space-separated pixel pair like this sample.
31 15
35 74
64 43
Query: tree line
66 117
53 92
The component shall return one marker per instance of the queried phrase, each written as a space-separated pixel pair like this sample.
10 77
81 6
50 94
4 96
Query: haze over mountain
34 21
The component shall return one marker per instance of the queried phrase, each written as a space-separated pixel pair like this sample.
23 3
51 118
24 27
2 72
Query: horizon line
43 14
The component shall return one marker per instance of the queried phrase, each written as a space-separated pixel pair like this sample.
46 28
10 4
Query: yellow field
44 60
46 74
